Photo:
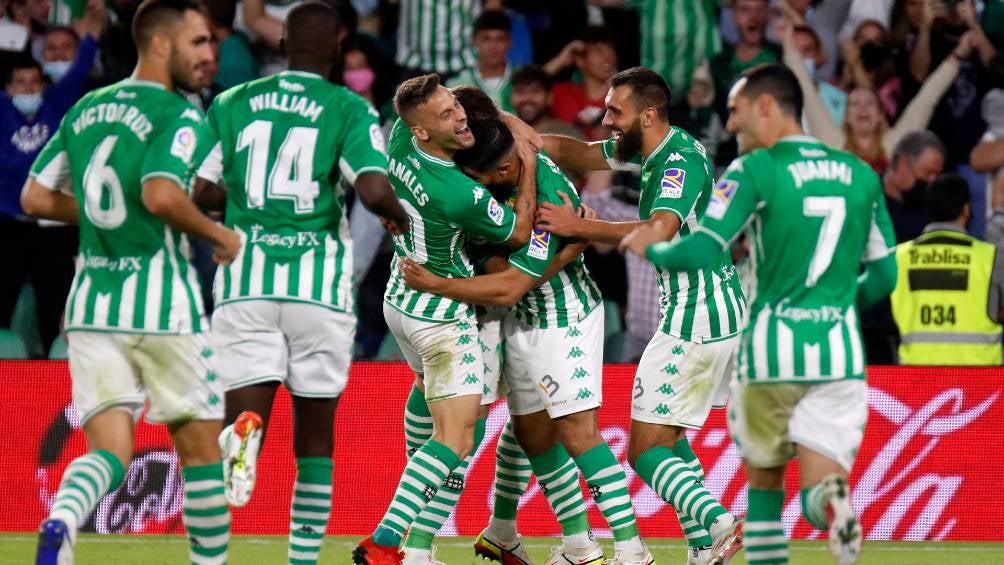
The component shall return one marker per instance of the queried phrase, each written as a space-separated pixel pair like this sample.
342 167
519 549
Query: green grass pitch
172 550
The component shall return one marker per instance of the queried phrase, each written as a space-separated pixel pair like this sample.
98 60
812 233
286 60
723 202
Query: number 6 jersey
133 272
284 143
814 214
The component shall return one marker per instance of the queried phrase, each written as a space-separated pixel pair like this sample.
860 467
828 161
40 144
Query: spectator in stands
916 162
696 114
441 44
949 299
30 113
813 57
988 157
869 59
33 15
825 17
367 72
237 64
492 74
118 56
531 101
582 104
865 131
752 49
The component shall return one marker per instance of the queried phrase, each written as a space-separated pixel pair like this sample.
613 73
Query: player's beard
629 143
184 73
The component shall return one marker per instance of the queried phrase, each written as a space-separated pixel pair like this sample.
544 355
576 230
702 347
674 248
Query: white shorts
490 339
306 347
446 355
678 381
557 369
176 373
767 420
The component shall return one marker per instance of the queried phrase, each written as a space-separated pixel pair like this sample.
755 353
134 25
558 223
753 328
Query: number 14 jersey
283 144
814 214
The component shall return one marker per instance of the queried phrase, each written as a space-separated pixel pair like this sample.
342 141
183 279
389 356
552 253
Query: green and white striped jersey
814 213
445 207
567 297
676 37
435 35
702 305
499 90
282 144
133 271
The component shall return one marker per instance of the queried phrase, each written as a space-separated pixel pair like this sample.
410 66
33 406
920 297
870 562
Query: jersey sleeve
534 257
211 167
363 149
881 235
734 201
51 168
677 184
175 149
632 165
478 213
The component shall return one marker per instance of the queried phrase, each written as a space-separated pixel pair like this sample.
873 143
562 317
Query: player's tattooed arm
526 200
503 288
166 200
378 197
40 202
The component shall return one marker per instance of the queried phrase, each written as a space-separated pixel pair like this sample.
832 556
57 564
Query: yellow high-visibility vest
940 301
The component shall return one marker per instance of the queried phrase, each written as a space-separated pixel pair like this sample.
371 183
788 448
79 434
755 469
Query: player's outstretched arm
41 202
877 282
503 288
565 221
377 195
574 154
166 200
697 251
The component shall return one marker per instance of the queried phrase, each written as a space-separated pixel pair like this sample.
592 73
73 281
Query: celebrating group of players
488 298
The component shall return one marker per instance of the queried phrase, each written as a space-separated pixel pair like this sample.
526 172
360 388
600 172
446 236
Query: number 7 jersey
133 272
284 144
814 214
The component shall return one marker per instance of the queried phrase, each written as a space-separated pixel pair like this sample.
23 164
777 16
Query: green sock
559 479
310 508
674 481
695 533
512 476
814 507
206 514
607 483
87 479
435 514
417 421
763 533
423 474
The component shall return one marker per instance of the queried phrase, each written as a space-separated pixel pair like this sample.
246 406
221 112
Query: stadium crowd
915 88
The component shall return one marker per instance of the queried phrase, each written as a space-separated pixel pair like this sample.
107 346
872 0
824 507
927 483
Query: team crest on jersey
495 212
376 139
183 145
540 241
672 183
721 196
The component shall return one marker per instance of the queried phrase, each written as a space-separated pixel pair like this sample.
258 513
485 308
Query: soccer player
134 316
284 308
702 309
553 359
813 213
438 335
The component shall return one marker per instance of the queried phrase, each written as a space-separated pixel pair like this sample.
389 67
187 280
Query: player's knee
460 439
578 432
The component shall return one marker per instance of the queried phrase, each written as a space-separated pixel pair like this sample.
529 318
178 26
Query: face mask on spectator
27 104
916 197
810 67
55 70
359 80
873 55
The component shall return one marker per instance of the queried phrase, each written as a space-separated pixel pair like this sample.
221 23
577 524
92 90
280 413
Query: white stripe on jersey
256 280
280 279
723 314
180 318
785 348
154 291
127 301
102 301
683 283
306 283
80 303
573 305
737 307
444 305
838 353
760 330
345 269
810 354
857 358
328 276
191 277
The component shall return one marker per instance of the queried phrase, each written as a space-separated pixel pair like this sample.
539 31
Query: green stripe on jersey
433 35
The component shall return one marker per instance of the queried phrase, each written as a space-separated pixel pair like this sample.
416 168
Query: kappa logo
495 212
479 193
414 162
540 241
672 183
674 157
192 114
721 197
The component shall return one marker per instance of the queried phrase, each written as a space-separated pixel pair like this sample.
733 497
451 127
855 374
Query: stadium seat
12 346
611 319
24 321
59 350
389 349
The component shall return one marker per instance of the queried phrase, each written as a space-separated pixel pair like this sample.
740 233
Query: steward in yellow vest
947 301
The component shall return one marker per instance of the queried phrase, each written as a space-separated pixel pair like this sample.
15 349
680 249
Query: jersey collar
800 139
305 74
661 146
427 157
138 82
